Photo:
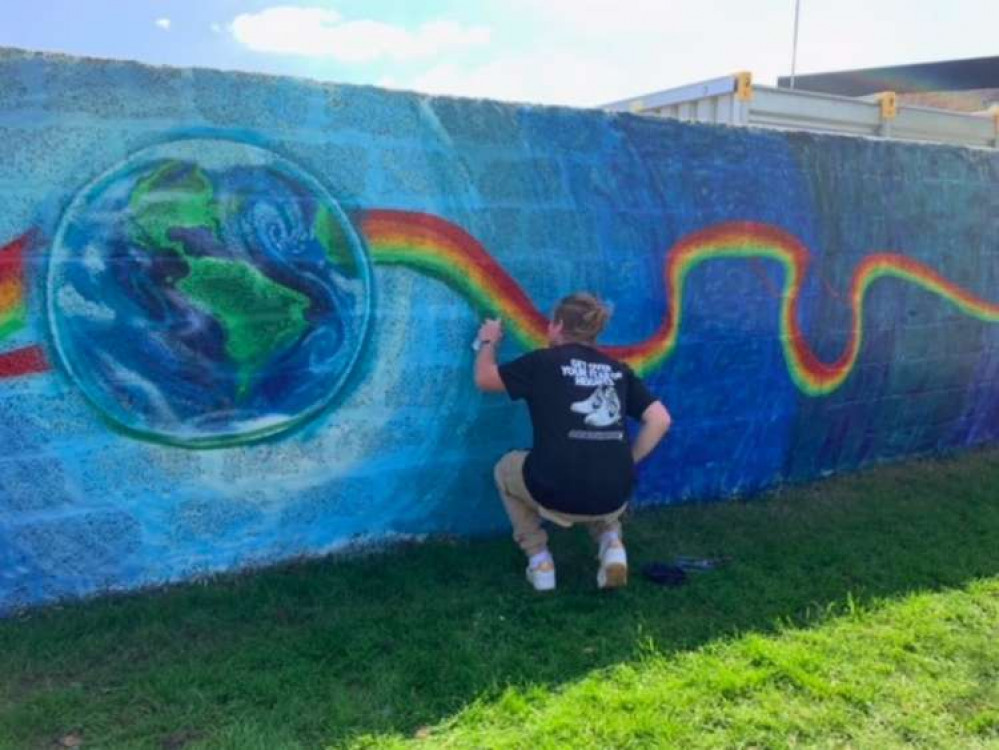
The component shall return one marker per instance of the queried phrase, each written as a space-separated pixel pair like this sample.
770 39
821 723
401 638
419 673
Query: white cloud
550 77
590 52
586 52
163 23
605 17
318 32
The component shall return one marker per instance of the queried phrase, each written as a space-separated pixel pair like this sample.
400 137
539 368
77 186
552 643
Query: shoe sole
541 585
613 577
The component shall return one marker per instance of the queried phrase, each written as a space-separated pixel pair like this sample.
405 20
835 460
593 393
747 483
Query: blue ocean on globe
207 293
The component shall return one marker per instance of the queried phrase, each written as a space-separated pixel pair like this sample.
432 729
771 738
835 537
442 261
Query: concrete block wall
235 310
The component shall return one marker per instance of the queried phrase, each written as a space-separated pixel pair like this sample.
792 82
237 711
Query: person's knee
503 468
498 471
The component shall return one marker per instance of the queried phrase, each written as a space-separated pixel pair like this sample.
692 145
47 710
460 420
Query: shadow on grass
317 653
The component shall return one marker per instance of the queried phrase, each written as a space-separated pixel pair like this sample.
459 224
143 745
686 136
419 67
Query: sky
575 52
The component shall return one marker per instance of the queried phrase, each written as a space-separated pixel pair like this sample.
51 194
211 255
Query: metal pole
794 48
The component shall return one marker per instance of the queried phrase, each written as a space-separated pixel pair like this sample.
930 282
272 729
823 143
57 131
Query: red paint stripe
29 360
12 258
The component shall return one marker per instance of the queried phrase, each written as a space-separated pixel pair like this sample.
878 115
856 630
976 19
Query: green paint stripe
12 321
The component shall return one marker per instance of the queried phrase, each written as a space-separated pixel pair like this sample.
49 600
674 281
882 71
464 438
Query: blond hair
583 317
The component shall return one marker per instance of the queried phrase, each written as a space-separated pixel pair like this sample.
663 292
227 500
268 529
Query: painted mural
235 310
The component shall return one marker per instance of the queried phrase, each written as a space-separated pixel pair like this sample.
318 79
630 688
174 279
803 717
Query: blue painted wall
154 447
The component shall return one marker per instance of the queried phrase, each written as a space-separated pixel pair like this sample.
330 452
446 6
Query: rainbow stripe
434 246
12 307
13 311
443 250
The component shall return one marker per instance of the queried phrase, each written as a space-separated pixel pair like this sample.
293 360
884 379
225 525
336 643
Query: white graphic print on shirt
603 407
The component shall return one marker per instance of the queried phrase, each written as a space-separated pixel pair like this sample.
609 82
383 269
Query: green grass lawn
859 612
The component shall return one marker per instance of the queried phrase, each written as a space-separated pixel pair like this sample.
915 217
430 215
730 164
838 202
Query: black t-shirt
581 460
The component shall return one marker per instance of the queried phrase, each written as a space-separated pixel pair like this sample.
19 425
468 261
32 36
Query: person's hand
491 330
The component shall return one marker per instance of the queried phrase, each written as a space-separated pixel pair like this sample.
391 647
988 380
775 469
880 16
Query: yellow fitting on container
636 106
744 86
889 105
994 109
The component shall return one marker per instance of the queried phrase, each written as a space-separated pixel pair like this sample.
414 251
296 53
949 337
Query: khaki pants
526 515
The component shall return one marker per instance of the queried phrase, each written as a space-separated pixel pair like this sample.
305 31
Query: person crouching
581 467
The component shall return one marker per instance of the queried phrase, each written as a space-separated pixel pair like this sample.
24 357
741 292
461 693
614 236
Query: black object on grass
664 574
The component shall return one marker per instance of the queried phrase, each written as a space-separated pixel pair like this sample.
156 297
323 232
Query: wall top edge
18 54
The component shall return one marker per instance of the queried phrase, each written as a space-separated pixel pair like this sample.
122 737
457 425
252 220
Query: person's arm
487 377
655 423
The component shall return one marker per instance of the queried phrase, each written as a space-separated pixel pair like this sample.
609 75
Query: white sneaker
613 571
542 576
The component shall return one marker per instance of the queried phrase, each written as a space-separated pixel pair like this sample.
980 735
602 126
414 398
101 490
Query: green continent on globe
334 240
177 195
259 316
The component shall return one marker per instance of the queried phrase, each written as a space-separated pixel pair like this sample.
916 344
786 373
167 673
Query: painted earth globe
207 293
